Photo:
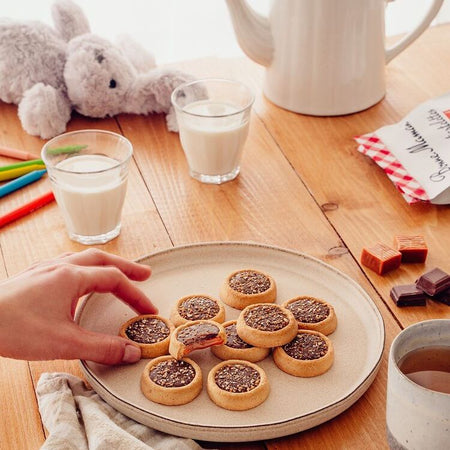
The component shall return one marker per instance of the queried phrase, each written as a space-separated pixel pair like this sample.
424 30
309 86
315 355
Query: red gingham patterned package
415 152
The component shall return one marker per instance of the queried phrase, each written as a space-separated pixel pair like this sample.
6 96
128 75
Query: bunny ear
69 19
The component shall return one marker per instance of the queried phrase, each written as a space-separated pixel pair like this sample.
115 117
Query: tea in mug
429 367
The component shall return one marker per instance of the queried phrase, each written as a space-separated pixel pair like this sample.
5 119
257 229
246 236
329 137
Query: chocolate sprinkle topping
197 308
306 346
309 310
172 373
197 332
249 282
237 378
233 340
147 331
266 318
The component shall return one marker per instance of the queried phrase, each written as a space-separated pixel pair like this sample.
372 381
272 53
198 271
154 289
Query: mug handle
393 51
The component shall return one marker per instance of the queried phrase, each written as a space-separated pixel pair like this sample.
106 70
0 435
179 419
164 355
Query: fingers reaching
96 257
97 347
111 279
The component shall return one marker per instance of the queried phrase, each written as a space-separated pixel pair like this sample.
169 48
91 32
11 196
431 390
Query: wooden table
303 186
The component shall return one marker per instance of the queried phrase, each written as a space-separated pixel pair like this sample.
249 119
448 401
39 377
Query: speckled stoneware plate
294 404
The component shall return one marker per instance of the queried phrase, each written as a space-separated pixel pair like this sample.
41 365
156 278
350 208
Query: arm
150 92
37 308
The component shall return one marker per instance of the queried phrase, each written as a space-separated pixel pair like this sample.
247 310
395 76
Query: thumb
105 349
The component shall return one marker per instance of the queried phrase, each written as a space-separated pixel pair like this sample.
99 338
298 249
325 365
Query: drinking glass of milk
213 117
88 171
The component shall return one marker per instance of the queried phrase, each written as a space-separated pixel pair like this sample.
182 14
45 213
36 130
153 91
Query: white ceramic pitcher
322 57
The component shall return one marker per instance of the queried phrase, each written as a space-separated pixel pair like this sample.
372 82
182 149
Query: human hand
37 308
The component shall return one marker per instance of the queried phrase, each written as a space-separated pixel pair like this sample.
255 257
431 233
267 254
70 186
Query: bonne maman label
421 142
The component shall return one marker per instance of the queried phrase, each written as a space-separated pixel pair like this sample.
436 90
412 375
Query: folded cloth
77 418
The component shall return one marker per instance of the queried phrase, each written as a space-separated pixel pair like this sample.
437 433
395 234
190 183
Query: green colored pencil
67 149
32 162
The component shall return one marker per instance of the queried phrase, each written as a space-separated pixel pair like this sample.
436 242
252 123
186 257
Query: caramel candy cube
381 258
413 248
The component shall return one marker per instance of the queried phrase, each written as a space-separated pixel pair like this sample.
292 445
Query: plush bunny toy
50 72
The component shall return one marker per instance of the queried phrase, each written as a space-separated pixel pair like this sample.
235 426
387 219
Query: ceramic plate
294 404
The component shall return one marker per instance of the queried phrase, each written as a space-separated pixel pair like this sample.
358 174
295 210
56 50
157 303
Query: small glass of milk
213 117
88 171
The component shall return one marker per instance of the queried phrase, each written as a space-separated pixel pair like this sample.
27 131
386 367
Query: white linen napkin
77 418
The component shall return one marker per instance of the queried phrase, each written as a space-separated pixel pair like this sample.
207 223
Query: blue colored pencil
20 182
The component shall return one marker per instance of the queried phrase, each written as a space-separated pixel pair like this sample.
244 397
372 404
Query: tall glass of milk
213 118
88 171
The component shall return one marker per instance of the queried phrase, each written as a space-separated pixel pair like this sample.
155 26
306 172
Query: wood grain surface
302 186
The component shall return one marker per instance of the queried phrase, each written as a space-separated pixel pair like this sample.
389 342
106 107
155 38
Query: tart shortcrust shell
177 319
179 350
252 354
305 368
171 396
326 326
266 339
237 401
240 300
149 350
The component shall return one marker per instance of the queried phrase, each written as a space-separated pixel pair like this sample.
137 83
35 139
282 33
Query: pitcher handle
393 51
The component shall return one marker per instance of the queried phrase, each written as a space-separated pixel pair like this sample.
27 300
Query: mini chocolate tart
150 332
309 354
246 287
169 381
312 313
266 325
197 307
195 335
237 385
236 348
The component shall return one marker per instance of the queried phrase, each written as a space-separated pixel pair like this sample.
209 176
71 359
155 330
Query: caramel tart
236 348
169 381
150 332
246 287
195 335
237 385
266 325
309 354
197 307
313 313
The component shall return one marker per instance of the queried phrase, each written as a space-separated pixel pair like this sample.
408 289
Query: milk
212 134
91 203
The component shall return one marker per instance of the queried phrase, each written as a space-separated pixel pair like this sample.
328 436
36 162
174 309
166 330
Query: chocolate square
408 295
434 281
443 297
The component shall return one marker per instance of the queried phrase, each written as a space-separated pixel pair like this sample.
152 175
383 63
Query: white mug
416 417
322 57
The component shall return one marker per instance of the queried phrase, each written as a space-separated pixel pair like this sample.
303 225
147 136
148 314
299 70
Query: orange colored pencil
15 153
27 208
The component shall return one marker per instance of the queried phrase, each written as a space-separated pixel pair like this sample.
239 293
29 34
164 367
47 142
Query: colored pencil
21 164
20 182
25 156
27 208
16 154
66 150
14 173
